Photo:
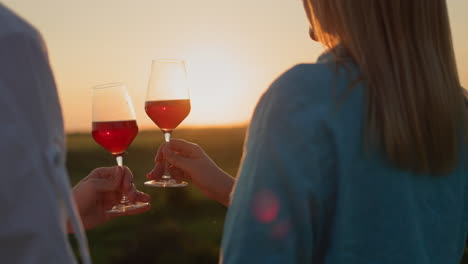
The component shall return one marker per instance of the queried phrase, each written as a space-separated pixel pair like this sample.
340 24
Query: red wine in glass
115 136
114 128
167 104
168 114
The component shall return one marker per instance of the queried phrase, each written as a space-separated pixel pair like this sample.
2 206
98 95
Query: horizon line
148 128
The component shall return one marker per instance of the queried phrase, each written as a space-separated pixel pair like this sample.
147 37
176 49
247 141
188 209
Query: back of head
415 105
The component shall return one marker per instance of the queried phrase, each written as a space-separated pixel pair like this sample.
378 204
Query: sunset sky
233 49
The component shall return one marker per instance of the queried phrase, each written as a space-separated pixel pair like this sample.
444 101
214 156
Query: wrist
229 185
221 191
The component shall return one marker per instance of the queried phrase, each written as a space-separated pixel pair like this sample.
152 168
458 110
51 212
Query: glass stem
124 199
166 175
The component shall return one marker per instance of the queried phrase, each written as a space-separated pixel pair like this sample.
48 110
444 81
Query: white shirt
35 193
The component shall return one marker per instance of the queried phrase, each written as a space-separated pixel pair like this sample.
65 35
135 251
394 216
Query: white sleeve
35 192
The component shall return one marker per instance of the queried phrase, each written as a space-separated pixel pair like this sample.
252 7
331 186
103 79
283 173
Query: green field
182 226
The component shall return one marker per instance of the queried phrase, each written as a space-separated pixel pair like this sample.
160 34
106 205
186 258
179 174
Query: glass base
126 207
166 183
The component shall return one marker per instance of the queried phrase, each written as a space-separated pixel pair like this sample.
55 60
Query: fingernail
148 175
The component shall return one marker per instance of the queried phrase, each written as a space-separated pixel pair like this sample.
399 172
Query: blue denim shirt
307 191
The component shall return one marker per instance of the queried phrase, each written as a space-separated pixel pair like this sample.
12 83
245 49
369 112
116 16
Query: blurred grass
183 226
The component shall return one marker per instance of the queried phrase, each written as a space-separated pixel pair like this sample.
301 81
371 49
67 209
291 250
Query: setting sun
218 89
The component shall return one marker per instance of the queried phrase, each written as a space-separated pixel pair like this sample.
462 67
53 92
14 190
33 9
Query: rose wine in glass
167 104
114 128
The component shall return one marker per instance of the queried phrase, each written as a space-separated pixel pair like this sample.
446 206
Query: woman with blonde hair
357 158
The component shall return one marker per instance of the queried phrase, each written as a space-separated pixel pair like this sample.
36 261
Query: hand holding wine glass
167 104
101 190
114 128
190 161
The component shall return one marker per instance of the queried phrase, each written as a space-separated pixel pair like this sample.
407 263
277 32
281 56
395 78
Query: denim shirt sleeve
284 195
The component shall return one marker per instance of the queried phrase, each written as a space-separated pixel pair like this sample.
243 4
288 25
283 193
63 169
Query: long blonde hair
415 105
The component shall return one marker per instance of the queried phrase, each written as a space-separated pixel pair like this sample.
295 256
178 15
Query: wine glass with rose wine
114 128
167 104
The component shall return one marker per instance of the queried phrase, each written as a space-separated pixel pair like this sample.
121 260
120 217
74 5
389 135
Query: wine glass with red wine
167 104
114 128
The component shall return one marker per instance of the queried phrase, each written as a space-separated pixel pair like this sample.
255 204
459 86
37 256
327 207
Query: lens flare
266 206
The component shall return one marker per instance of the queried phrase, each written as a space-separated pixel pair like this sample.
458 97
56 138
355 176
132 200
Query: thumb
109 183
177 160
